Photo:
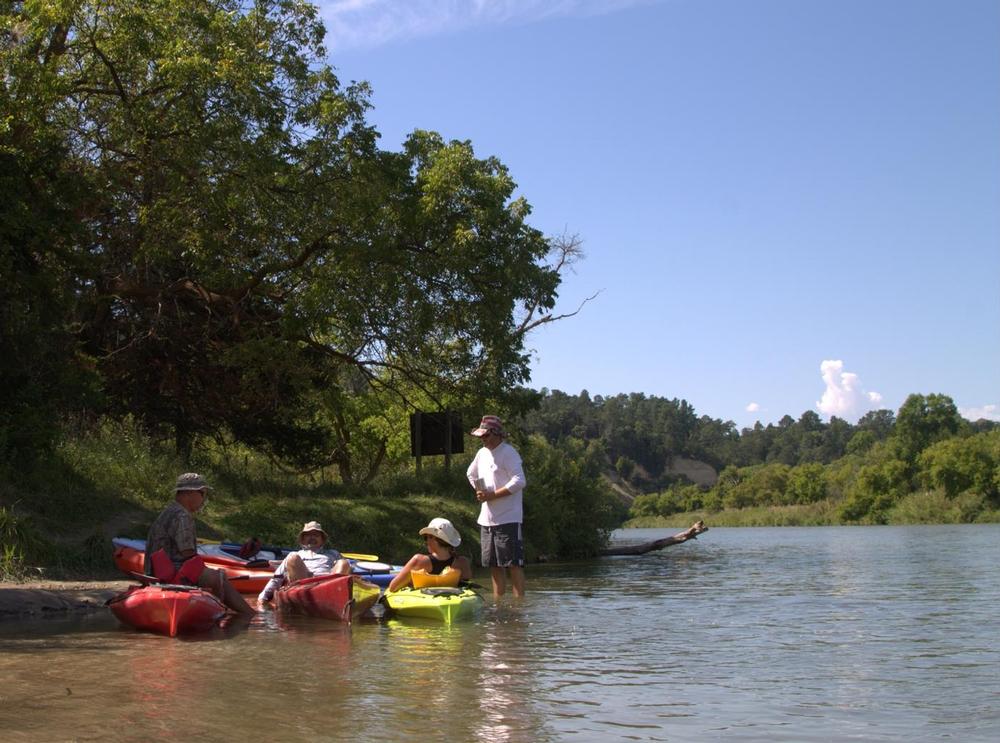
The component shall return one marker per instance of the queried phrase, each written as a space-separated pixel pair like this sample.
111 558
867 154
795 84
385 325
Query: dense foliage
203 232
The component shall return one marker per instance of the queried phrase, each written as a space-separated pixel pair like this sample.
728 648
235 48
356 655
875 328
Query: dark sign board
429 434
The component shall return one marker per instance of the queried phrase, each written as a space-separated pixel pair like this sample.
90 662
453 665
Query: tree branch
640 549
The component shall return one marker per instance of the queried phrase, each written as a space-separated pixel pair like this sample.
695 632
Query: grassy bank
110 479
57 521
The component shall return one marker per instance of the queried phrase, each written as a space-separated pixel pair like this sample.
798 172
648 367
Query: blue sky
786 205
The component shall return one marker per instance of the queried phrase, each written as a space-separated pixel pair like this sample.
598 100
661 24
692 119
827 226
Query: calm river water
796 634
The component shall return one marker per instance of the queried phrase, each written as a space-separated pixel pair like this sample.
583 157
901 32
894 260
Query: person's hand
482 495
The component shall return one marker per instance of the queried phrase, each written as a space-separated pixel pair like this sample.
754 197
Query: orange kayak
245 579
167 609
340 597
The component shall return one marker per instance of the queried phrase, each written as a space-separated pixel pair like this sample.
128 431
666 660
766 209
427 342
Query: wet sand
47 598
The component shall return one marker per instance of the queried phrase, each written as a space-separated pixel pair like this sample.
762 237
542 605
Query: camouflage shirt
173 532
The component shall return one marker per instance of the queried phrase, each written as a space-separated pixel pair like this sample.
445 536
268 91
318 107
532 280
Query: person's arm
510 465
473 472
273 585
183 534
464 566
181 531
402 578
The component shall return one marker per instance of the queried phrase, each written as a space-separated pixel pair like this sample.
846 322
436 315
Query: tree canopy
226 243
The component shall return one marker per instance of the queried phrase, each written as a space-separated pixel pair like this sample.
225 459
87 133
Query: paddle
149 580
360 556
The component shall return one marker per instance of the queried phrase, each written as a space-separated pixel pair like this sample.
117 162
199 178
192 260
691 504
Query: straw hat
313 526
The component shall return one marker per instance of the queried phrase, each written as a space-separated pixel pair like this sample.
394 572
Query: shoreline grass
924 507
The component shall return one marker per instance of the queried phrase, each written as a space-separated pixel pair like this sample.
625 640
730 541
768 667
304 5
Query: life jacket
164 570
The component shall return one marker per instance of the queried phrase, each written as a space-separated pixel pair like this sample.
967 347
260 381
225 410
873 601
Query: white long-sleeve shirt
499 468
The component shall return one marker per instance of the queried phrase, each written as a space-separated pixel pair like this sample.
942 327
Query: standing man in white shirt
497 476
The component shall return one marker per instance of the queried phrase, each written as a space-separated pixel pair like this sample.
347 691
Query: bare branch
528 324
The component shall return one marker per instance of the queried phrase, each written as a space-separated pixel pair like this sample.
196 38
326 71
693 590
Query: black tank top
438 565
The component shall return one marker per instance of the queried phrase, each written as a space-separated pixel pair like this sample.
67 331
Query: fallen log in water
657 544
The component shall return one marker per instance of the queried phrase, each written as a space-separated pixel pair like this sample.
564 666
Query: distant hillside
654 443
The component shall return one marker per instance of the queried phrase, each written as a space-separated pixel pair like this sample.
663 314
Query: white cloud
367 23
989 412
753 407
844 396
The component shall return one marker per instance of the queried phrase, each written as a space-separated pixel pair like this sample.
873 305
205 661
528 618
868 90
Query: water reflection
505 693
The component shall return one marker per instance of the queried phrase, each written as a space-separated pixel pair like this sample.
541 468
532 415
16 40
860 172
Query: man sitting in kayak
172 548
441 539
311 560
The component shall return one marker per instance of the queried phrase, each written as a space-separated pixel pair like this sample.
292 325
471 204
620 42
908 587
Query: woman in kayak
311 560
441 538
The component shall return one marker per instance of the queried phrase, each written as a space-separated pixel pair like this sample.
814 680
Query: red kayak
167 609
340 597
245 579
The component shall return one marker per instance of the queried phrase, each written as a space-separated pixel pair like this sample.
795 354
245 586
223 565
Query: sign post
435 433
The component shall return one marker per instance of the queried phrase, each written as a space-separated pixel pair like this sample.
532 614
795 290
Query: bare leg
295 569
517 580
342 567
216 582
499 581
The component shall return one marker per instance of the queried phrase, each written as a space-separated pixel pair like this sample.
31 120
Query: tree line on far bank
862 471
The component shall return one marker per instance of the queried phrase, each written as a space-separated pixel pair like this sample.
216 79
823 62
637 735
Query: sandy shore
46 598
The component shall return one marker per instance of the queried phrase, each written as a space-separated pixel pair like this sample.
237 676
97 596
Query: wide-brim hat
443 530
191 481
489 424
313 526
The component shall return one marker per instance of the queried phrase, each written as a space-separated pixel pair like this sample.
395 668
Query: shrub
806 484
569 510
960 464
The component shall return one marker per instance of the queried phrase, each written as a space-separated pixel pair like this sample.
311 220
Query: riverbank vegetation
111 479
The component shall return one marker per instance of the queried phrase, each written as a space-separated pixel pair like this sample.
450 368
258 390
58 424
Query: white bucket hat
443 530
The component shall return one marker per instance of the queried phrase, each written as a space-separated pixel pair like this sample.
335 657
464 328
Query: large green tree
923 420
243 246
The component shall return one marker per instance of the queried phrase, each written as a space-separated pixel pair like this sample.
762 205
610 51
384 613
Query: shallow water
874 633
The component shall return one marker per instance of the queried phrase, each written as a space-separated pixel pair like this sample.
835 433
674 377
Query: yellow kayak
441 604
